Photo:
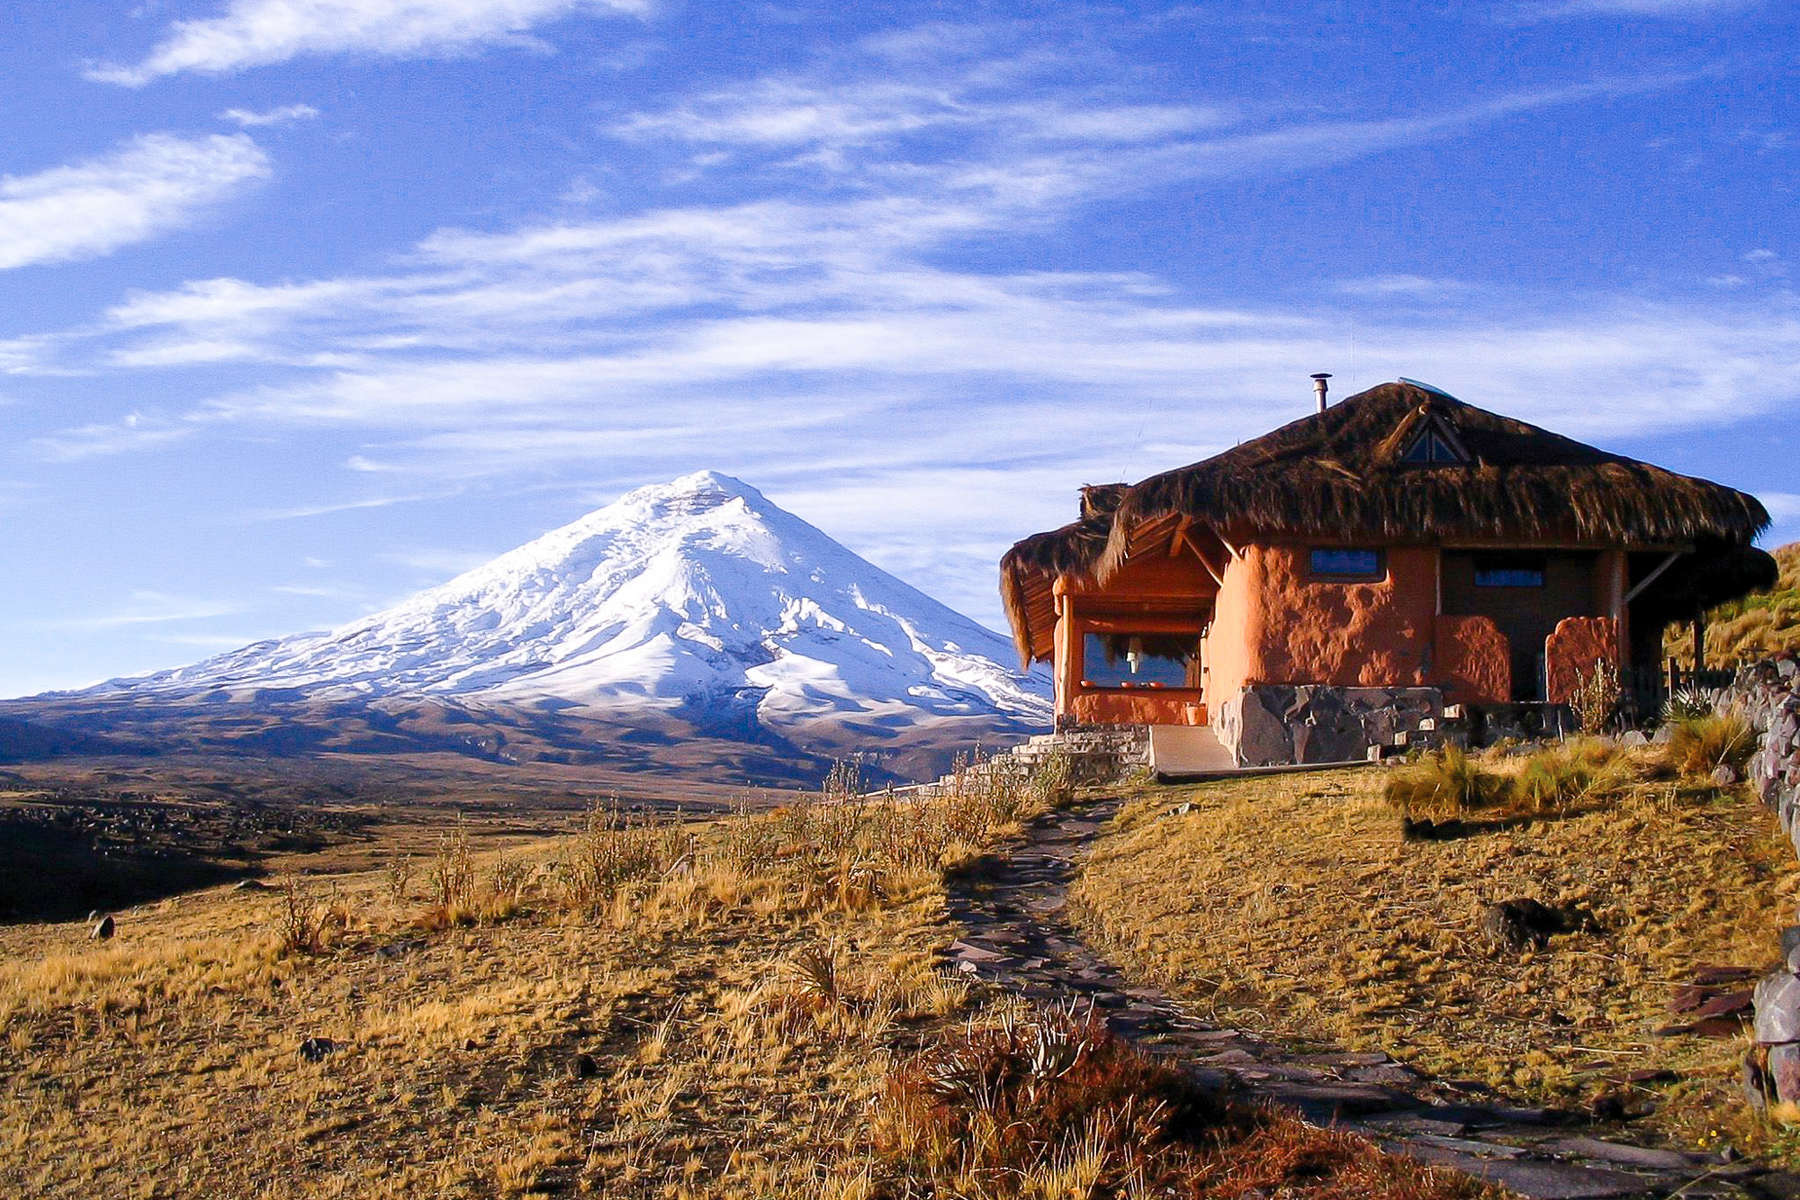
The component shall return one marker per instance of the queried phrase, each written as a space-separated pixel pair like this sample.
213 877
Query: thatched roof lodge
1401 542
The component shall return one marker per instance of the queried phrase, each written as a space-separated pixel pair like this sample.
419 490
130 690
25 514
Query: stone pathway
1013 907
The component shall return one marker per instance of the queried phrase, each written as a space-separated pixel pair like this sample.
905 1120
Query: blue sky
306 304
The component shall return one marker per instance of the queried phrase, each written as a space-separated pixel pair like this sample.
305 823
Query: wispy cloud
303 511
146 607
1409 287
287 113
1671 10
253 33
146 187
133 432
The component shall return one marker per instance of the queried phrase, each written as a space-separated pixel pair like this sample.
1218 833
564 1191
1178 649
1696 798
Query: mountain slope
696 605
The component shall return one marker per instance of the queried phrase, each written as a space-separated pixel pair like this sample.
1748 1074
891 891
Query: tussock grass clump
1698 745
1449 781
1050 1103
1558 778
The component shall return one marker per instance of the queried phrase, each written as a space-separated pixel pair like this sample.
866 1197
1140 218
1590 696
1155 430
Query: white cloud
148 186
252 33
248 118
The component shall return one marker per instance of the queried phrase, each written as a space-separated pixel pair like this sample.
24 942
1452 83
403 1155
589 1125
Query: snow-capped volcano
697 596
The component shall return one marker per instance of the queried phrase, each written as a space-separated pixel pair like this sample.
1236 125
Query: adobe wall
1473 661
1237 624
1571 651
1345 634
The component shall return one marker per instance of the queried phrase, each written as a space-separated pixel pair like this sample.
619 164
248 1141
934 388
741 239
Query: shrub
452 874
1686 704
302 919
616 848
1700 745
1596 696
1050 1103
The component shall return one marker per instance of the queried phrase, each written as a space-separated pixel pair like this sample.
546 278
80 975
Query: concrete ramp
1183 750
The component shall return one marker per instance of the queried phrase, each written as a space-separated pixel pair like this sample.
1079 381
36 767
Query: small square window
1509 571
1343 563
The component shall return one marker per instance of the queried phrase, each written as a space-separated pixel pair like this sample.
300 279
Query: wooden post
1699 643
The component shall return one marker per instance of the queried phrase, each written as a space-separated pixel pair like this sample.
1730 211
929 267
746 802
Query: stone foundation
1279 724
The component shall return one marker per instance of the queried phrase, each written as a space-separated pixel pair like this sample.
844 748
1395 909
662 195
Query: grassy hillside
1304 909
1751 628
751 1007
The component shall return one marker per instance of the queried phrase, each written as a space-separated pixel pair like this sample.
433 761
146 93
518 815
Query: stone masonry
1768 695
1277 724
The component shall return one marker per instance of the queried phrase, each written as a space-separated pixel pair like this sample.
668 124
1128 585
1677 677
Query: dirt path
1013 907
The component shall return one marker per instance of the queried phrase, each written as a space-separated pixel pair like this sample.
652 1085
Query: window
1509 570
1338 564
1431 447
1134 660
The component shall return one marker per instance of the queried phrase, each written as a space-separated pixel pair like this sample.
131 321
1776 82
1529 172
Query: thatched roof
1342 474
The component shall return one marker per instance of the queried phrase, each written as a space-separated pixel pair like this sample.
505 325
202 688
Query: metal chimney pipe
1319 386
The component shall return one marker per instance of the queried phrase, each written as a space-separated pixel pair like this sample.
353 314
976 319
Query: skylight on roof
1426 387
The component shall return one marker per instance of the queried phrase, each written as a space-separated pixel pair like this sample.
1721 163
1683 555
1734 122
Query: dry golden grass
1295 905
498 1025
633 1011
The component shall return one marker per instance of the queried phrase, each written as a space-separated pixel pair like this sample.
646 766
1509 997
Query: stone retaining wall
1768 694
1277 724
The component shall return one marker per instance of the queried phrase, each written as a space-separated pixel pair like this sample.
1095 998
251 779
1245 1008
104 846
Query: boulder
103 929
1724 775
1777 1000
1523 923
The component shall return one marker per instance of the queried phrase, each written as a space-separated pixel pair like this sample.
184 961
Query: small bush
452 874
1700 745
1053 779
1686 704
1051 1103
1596 696
615 849
398 876
302 919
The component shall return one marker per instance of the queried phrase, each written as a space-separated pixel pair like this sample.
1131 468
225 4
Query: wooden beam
1233 550
1181 528
1651 578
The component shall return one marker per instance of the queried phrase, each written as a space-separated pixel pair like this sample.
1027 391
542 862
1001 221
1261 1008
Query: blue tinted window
1338 563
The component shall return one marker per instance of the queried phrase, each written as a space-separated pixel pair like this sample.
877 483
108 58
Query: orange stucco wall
1573 649
1346 634
1472 660
1237 621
